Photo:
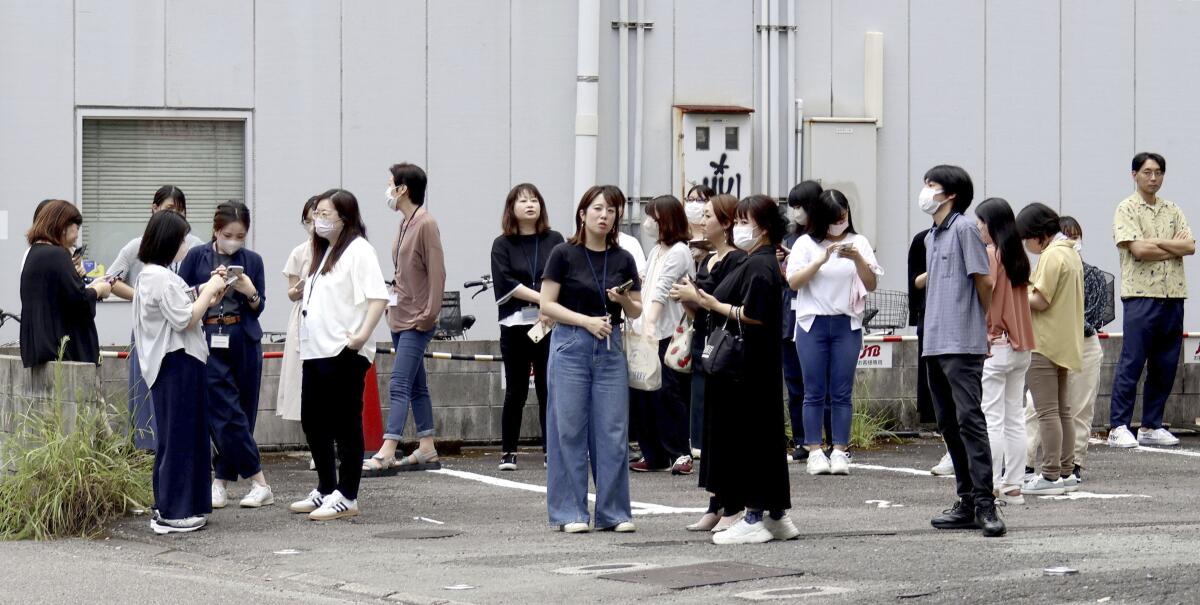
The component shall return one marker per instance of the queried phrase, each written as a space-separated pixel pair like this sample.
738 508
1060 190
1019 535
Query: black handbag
722 355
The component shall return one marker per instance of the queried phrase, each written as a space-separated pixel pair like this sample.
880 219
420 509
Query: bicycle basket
449 323
886 310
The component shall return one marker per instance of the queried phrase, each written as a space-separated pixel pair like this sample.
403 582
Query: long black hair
802 196
1001 224
827 210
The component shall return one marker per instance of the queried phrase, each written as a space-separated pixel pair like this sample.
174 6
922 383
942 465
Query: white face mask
1079 245
392 202
837 229
229 247
927 203
325 227
743 236
694 212
650 228
799 216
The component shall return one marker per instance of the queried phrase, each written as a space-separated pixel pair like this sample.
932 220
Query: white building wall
1038 100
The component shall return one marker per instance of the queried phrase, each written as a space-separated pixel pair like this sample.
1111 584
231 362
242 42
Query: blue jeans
1153 338
828 357
587 421
408 385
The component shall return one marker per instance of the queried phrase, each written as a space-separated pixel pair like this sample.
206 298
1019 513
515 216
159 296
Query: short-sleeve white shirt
831 290
162 310
335 303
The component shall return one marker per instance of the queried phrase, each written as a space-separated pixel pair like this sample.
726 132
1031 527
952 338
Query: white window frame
207 115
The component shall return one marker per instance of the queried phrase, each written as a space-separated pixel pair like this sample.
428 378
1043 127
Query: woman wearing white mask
832 269
235 351
663 425
693 209
287 404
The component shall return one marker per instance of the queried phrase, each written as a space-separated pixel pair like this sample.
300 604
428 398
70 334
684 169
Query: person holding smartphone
55 304
519 256
832 268
167 315
235 352
287 405
587 421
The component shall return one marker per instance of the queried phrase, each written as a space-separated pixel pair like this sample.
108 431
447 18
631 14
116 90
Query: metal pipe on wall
623 96
773 129
764 96
793 172
639 77
587 95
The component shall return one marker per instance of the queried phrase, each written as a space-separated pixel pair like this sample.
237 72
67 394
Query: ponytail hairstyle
998 217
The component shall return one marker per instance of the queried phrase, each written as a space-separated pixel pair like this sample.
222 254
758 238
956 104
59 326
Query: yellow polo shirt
1137 220
1058 330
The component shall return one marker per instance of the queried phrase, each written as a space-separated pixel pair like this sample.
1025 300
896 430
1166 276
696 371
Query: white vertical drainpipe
765 98
799 142
587 92
623 96
793 171
639 76
774 129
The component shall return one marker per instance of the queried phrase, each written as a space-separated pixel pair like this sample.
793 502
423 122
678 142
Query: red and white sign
875 355
1191 350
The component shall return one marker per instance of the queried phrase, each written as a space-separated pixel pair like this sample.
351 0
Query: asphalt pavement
474 534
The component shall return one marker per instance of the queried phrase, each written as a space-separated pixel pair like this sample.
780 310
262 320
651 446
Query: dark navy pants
234 375
181 484
793 379
1153 337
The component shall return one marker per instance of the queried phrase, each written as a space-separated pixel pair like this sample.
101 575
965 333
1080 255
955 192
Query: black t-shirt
583 276
916 266
519 260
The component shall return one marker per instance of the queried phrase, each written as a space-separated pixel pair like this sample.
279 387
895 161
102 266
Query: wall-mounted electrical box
712 147
840 152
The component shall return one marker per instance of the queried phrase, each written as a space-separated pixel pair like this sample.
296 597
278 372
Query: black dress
744 415
54 304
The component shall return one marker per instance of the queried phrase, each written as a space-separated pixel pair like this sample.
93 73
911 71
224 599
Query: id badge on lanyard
312 284
219 341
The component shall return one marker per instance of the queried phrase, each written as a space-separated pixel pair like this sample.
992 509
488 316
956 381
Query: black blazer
54 304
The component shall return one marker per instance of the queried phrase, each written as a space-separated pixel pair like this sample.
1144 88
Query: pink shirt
1009 313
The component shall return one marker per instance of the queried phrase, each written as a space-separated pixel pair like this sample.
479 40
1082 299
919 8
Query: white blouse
836 287
664 268
335 303
162 309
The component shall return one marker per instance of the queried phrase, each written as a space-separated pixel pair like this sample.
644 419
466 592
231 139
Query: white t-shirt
128 266
631 245
162 309
832 291
335 304
664 267
297 262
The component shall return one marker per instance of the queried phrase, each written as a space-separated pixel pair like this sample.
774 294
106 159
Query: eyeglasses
1150 173
325 213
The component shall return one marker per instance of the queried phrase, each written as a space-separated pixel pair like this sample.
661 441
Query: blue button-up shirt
955 321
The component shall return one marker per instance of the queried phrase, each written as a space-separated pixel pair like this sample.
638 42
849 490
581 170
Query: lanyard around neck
599 282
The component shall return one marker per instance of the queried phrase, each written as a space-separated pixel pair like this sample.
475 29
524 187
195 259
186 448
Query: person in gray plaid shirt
958 292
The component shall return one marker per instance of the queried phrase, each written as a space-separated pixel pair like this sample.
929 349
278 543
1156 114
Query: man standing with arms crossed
1152 238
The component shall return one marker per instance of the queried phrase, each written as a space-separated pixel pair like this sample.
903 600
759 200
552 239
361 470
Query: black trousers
955 382
331 403
663 416
520 354
925 413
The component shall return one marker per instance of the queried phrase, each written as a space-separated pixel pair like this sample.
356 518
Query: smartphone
80 251
538 332
232 274
623 287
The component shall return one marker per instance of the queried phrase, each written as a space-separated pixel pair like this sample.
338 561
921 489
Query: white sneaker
695 453
783 529
1070 484
839 463
1041 486
625 527
818 463
220 495
1159 436
1121 437
1010 494
309 504
744 533
260 495
578 527
334 506
944 467
174 526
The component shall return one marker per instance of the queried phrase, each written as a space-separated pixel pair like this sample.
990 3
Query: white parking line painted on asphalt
639 508
895 469
1161 450
1091 496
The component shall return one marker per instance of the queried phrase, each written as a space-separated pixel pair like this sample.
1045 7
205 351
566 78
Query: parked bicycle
452 324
